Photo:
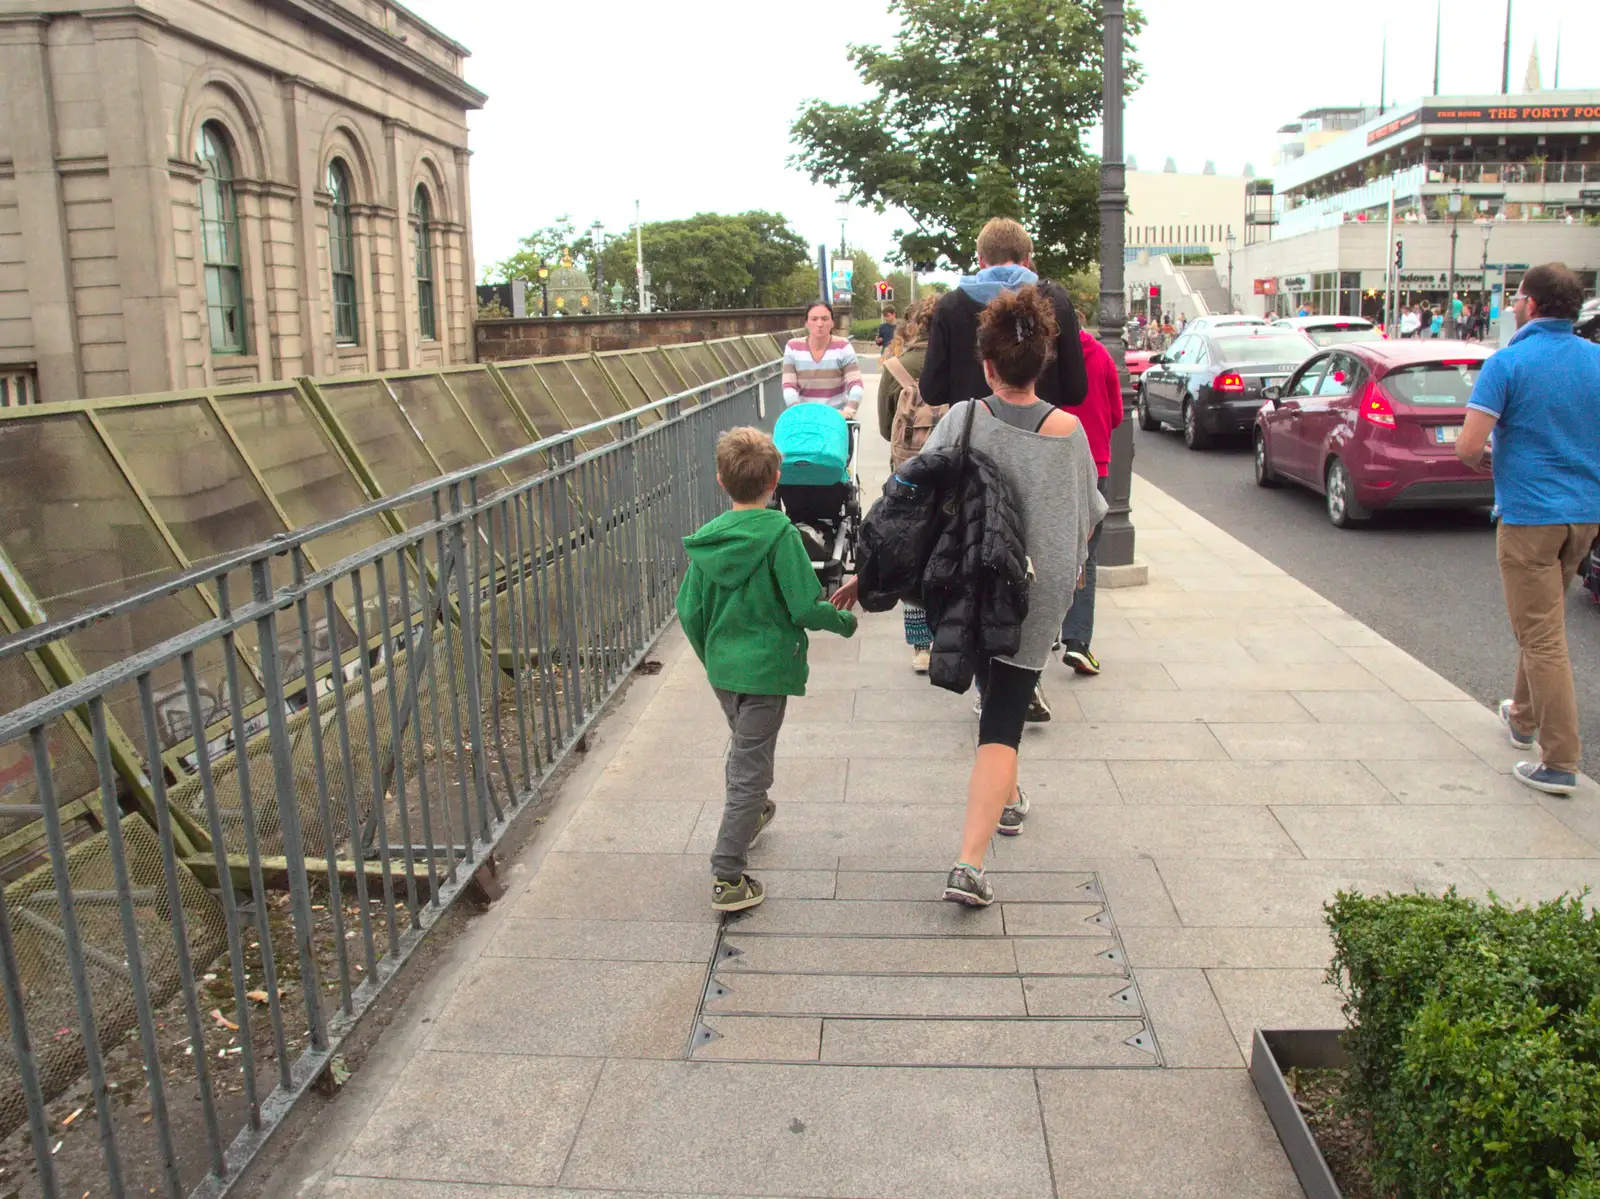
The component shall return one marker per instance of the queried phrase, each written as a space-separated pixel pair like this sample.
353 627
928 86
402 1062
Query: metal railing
416 697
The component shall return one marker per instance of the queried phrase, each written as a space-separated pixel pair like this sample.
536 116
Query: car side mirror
1274 394
1157 359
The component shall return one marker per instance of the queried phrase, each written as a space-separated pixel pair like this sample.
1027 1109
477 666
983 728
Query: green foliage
864 304
751 260
544 246
979 111
1084 288
1475 1038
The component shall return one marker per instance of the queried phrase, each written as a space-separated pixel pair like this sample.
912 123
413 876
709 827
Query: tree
979 112
544 247
751 260
864 286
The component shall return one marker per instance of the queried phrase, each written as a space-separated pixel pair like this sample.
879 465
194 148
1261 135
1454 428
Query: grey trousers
1078 625
754 721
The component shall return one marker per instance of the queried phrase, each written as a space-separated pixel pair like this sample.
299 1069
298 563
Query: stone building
198 192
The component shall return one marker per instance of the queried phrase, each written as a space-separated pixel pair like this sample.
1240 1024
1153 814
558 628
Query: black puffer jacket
946 535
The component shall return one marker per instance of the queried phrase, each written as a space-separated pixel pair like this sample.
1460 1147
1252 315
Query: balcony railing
1513 172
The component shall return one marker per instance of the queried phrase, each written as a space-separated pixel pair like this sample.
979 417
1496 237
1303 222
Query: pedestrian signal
885 290
1399 254
1155 291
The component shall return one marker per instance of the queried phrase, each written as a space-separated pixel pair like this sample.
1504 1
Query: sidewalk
1249 750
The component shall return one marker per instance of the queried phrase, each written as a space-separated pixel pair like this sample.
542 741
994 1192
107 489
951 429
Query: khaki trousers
1537 565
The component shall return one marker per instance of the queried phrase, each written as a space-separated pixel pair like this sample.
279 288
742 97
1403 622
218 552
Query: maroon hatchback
1373 425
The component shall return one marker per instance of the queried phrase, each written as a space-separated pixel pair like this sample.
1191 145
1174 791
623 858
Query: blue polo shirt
1544 390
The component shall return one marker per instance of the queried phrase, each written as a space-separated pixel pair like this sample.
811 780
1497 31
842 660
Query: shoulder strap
901 376
1048 409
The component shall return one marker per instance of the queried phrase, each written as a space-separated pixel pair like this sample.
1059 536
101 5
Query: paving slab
1466 781
1359 707
636 826
863 995
868 917
759 1039
476 1118
1056 1043
571 1008
956 739
605 940
1081 997
1290 892
1204 947
799 1130
1144 673
1468 831
1110 741
1232 783
1189 1024
1253 999
1266 676
1335 742
1163 1134
1185 707
1056 919
867 955
1244 831
645 887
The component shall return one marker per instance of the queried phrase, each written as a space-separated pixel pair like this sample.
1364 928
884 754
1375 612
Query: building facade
197 193
1492 184
1181 213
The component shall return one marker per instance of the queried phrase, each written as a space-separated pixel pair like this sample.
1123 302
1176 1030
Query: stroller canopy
815 443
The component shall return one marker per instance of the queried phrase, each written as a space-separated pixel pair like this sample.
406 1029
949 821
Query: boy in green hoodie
745 604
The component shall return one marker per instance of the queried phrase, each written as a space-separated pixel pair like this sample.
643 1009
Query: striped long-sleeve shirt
835 380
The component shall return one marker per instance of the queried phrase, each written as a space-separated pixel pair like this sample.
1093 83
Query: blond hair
912 330
748 464
1004 240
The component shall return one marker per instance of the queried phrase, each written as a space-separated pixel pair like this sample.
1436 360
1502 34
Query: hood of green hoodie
730 548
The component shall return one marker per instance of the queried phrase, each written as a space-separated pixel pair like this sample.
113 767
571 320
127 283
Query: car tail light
1228 381
1375 407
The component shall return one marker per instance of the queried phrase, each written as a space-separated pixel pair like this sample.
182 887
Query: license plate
1447 434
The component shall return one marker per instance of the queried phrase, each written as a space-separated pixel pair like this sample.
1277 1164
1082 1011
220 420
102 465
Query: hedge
1475 1043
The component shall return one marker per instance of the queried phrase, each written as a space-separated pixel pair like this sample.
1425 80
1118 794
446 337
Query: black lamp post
1233 304
544 289
1449 329
1117 535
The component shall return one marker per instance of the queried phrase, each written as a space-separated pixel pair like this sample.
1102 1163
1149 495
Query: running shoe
1076 655
1038 709
1545 778
1518 740
968 886
737 896
1013 814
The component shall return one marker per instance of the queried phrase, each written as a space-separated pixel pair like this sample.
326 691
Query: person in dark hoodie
952 371
745 604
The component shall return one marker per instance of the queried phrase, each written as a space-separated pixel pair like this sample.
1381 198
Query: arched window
422 214
219 238
342 256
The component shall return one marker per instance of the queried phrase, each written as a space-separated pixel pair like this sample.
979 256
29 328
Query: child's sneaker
969 886
1518 740
768 811
736 897
1012 816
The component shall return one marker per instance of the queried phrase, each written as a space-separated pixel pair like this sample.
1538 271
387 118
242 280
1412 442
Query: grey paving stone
1163 1134
1191 647
667 740
1245 831
1070 955
870 676
1360 707
1200 948
1290 892
760 1039
1117 674
1210 783
822 707
1532 880
1269 677
1404 675
608 940
921 740
825 647
1477 728
573 1008
1253 999
1475 831
644 887
1180 707
1336 742
933 918
888 781
802 1131
1032 886
475 1118
1301 648
1115 741
869 955
933 704
811 835
638 826
1037 1042
634 780
1342 629
383 1188
1189 1023
1464 782
1054 919
867 995
1090 997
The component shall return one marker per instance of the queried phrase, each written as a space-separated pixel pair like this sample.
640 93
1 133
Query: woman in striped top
820 368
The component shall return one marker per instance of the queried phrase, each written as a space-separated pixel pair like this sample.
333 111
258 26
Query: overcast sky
687 107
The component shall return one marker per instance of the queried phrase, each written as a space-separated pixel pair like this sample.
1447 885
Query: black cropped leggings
1006 690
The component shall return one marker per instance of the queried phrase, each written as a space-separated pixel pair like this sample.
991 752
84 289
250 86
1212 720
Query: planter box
1272 1055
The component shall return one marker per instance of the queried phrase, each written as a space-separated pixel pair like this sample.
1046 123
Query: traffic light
1399 254
1155 293
885 290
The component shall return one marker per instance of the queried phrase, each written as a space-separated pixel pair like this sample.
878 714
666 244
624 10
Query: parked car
1138 362
1331 330
1373 425
1210 383
1200 323
1589 320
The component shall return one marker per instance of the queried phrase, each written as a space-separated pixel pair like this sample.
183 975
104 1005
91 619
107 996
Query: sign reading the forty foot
1496 114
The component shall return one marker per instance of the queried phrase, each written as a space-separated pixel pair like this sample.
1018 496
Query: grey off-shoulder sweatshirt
1052 481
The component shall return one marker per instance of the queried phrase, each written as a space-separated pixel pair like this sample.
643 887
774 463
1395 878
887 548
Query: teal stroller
818 489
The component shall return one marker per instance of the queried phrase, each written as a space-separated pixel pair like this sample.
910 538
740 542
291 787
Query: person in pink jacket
1100 413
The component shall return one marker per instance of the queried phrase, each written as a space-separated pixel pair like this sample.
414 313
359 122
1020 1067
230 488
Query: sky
686 107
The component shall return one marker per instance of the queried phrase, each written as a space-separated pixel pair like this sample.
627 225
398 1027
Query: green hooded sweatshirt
748 599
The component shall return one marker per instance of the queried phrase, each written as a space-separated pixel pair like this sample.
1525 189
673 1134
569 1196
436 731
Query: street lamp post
544 289
1450 279
1483 267
844 215
1233 304
596 232
1117 534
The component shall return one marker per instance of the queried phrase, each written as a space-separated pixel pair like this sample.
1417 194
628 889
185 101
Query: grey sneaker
768 811
968 886
1038 709
1518 740
736 897
1012 816
1544 778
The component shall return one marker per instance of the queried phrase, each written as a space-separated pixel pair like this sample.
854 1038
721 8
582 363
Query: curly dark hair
1017 332
1555 289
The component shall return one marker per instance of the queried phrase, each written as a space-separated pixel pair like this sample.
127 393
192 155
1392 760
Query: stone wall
546 337
102 275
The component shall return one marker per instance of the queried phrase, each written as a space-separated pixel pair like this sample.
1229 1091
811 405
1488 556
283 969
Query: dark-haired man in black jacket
951 372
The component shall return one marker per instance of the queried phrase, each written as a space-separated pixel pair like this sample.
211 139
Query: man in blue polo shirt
1540 398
